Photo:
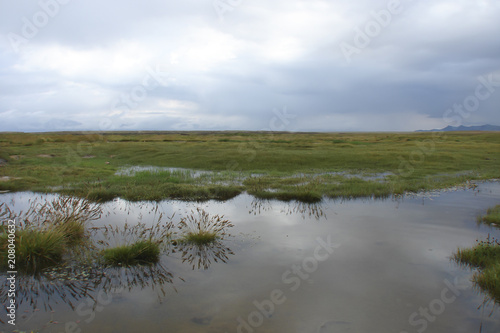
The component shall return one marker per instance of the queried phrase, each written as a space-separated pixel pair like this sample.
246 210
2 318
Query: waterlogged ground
339 266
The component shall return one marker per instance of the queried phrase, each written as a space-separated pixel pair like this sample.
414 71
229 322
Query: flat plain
220 165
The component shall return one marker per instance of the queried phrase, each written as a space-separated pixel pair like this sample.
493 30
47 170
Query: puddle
131 171
228 179
338 266
203 176
382 176
7 178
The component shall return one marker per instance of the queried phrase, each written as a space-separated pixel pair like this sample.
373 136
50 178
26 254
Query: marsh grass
61 212
201 241
49 232
130 245
153 187
484 256
74 232
442 161
35 249
201 237
140 252
492 217
201 228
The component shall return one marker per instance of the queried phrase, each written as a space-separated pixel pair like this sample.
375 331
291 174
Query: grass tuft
200 228
47 232
130 245
35 249
74 232
140 252
485 256
489 280
492 216
200 238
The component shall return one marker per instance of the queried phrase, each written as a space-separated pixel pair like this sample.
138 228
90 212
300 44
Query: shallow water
192 173
339 266
131 171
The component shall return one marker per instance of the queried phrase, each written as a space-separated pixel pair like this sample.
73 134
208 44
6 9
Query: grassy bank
286 166
46 234
485 256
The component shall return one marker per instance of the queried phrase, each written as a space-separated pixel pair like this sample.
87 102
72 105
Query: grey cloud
232 74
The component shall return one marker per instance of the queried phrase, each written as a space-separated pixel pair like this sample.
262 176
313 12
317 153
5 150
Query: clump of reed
147 252
485 256
130 245
492 217
47 232
34 249
57 232
201 228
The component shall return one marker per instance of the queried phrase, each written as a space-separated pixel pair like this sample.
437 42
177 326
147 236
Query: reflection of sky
393 259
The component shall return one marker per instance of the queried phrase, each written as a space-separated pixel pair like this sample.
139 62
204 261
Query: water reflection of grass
61 257
52 235
485 256
57 232
429 161
312 210
75 263
203 255
84 287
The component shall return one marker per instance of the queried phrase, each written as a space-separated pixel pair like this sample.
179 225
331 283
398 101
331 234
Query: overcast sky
296 65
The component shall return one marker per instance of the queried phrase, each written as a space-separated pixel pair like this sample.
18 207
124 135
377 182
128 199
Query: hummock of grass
492 216
140 252
35 249
489 280
73 231
200 238
47 233
486 257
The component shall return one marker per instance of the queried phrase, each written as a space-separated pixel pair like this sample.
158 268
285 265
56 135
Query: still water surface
340 266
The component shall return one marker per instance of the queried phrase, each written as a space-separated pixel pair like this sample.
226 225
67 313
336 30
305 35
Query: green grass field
285 166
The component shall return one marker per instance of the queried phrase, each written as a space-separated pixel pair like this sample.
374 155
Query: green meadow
274 165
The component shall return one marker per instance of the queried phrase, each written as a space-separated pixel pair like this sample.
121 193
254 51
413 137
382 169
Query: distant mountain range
464 128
